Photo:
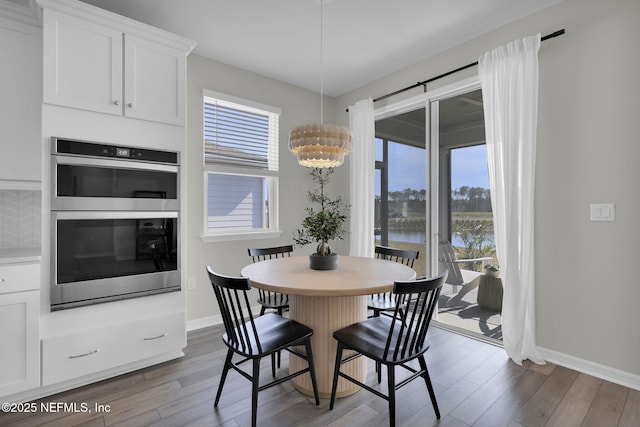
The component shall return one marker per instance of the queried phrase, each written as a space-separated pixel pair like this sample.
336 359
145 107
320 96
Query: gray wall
588 285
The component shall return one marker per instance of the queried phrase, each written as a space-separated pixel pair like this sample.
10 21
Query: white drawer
95 350
157 336
19 277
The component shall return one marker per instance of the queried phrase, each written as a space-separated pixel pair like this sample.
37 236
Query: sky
407 168
469 167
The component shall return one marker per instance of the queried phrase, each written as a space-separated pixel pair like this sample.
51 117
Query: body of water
421 237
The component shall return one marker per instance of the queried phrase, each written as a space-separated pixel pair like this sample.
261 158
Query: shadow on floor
466 314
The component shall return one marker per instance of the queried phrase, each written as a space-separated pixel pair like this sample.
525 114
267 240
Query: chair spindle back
402 256
263 254
406 257
409 329
235 309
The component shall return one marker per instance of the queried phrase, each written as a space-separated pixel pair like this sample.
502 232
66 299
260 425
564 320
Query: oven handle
112 215
110 163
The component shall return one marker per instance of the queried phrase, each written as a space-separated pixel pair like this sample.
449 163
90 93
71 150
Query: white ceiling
363 40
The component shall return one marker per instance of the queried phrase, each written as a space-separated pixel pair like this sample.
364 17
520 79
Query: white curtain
361 177
509 79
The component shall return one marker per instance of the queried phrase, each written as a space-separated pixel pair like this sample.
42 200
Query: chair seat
274 301
370 338
381 302
275 332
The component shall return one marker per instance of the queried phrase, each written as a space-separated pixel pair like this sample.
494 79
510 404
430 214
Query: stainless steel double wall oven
114 222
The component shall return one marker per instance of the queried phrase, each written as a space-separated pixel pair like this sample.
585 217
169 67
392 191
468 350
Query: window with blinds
241 165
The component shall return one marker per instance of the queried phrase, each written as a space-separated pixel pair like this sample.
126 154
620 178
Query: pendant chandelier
320 145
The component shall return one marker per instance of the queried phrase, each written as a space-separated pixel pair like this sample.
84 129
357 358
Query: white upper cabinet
98 61
82 64
20 101
154 79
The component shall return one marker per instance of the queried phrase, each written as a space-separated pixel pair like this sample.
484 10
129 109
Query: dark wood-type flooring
475 385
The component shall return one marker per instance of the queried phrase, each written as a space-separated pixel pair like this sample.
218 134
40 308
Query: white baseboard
205 322
597 370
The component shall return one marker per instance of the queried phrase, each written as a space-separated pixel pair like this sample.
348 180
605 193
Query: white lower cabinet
19 327
88 352
19 342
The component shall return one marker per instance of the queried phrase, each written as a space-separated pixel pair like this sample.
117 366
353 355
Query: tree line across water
463 199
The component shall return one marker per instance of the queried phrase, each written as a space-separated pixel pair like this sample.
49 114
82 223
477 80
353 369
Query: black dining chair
384 303
254 338
271 300
393 341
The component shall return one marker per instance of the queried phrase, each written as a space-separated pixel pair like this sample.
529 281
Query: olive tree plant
321 226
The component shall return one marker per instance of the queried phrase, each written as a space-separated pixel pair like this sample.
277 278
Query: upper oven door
82 183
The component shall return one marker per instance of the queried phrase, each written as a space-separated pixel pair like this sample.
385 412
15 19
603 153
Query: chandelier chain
321 69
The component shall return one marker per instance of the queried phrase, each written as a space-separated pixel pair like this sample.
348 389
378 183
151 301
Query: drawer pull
85 354
155 338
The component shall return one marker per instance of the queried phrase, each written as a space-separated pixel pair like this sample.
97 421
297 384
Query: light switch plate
603 212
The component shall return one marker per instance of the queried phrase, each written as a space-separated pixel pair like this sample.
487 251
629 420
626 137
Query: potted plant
492 270
321 226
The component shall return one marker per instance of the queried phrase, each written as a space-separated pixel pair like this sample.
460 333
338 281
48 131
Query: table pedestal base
325 315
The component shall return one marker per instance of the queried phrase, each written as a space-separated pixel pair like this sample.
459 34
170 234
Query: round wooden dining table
327 300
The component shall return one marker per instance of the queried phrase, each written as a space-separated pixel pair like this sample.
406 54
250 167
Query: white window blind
240 135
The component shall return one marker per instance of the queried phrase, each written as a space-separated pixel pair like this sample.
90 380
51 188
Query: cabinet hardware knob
130 105
155 338
116 102
2 279
75 356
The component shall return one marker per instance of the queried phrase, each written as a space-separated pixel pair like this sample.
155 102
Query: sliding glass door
432 195
401 184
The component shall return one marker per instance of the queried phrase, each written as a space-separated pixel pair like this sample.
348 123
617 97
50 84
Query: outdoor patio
467 314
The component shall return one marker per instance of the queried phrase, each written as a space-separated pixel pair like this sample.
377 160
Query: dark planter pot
323 262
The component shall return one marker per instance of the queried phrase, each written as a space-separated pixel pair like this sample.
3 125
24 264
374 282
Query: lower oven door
105 256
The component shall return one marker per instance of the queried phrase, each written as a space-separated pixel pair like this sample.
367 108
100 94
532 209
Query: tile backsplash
20 219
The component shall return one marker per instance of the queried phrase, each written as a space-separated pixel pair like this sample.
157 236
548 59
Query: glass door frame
429 100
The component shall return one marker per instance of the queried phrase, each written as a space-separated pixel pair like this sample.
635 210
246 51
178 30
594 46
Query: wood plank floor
475 383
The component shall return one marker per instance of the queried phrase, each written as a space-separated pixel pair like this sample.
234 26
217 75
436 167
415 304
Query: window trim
272 176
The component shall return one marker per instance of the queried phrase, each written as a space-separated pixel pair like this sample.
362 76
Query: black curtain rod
464 67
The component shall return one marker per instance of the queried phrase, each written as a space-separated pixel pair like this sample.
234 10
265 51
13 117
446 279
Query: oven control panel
90 149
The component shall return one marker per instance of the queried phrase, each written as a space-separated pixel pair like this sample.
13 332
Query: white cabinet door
19 335
20 98
154 81
82 64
